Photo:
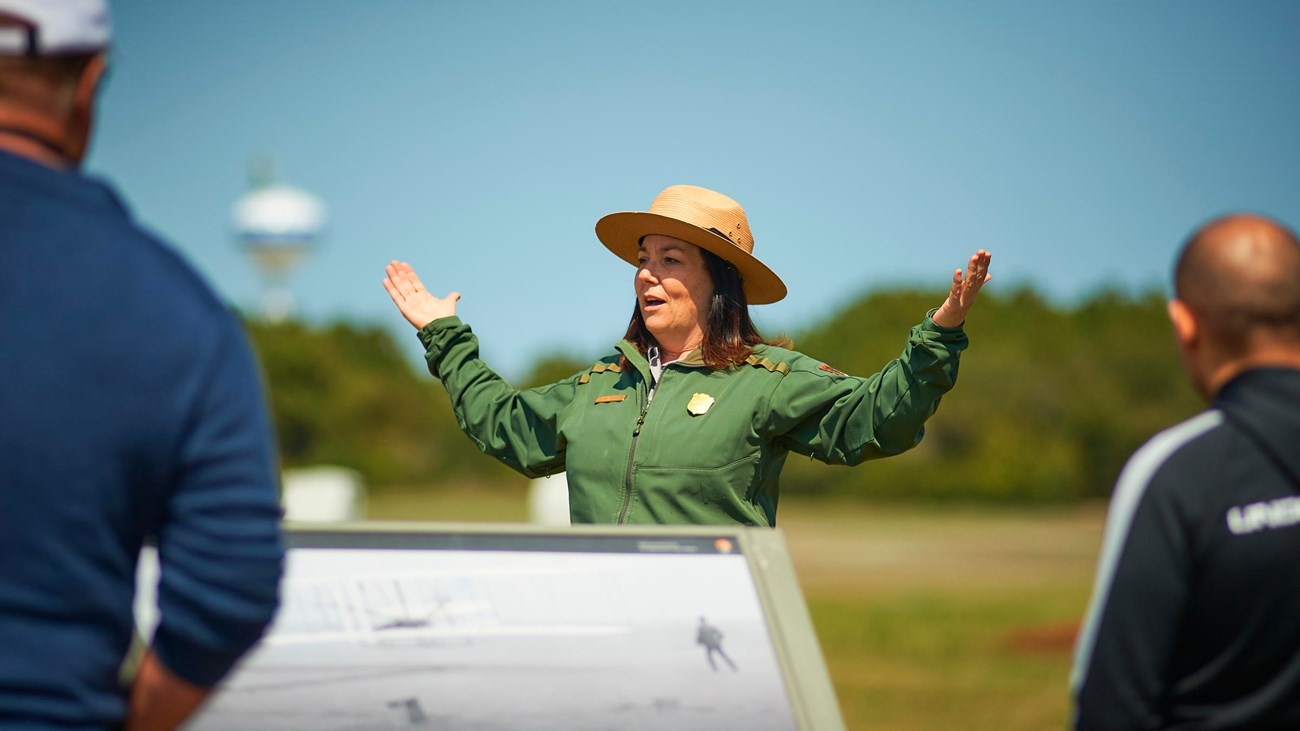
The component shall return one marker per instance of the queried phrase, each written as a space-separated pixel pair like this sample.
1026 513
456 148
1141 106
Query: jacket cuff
436 336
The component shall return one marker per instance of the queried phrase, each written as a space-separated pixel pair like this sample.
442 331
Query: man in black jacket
1195 616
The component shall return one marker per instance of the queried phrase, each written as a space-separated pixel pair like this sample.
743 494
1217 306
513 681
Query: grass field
930 618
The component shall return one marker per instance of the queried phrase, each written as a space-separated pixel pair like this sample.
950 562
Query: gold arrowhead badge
699 404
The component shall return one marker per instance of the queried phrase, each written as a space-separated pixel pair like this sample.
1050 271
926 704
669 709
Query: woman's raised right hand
409 294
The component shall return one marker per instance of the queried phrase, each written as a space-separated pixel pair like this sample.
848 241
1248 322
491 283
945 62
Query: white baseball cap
53 27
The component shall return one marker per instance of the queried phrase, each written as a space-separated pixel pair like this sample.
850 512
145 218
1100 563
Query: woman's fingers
392 290
408 279
965 286
412 277
396 277
403 279
977 273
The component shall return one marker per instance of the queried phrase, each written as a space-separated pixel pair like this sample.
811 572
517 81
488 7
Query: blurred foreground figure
130 409
1195 617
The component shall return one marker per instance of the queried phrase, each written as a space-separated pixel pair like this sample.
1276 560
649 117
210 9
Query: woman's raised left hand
952 312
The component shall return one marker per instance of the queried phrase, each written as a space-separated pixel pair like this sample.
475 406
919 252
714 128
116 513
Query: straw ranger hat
699 216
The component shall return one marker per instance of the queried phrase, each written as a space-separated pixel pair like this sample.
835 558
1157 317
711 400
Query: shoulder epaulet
767 363
600 368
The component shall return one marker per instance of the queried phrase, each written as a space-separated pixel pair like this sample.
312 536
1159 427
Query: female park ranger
691 418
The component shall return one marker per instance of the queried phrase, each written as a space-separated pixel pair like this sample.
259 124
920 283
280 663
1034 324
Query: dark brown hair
729 334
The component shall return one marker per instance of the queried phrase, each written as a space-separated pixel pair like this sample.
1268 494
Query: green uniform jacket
633 460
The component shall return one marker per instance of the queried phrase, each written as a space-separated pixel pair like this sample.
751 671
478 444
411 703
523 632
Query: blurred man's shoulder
1176 458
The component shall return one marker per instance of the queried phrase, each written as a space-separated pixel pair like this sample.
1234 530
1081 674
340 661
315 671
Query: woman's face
673 290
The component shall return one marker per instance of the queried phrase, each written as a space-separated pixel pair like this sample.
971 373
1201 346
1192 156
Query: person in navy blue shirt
131 411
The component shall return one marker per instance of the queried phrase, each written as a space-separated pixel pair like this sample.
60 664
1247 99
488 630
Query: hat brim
622 232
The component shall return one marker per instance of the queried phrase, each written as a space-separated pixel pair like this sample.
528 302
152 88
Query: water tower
277 225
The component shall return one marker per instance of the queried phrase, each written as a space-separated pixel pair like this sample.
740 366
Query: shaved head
1240 275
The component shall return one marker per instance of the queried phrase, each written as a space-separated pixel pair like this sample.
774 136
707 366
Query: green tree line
1049 403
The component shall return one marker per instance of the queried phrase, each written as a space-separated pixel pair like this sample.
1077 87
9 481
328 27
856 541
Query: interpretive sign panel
564 629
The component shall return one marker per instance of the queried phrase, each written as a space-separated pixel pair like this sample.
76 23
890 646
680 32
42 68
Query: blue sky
871 143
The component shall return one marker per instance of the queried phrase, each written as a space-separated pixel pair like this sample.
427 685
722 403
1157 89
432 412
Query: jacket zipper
631 455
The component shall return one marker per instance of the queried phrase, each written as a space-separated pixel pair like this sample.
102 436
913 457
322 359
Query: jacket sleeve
840 419
219 545
518 427
1119 679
